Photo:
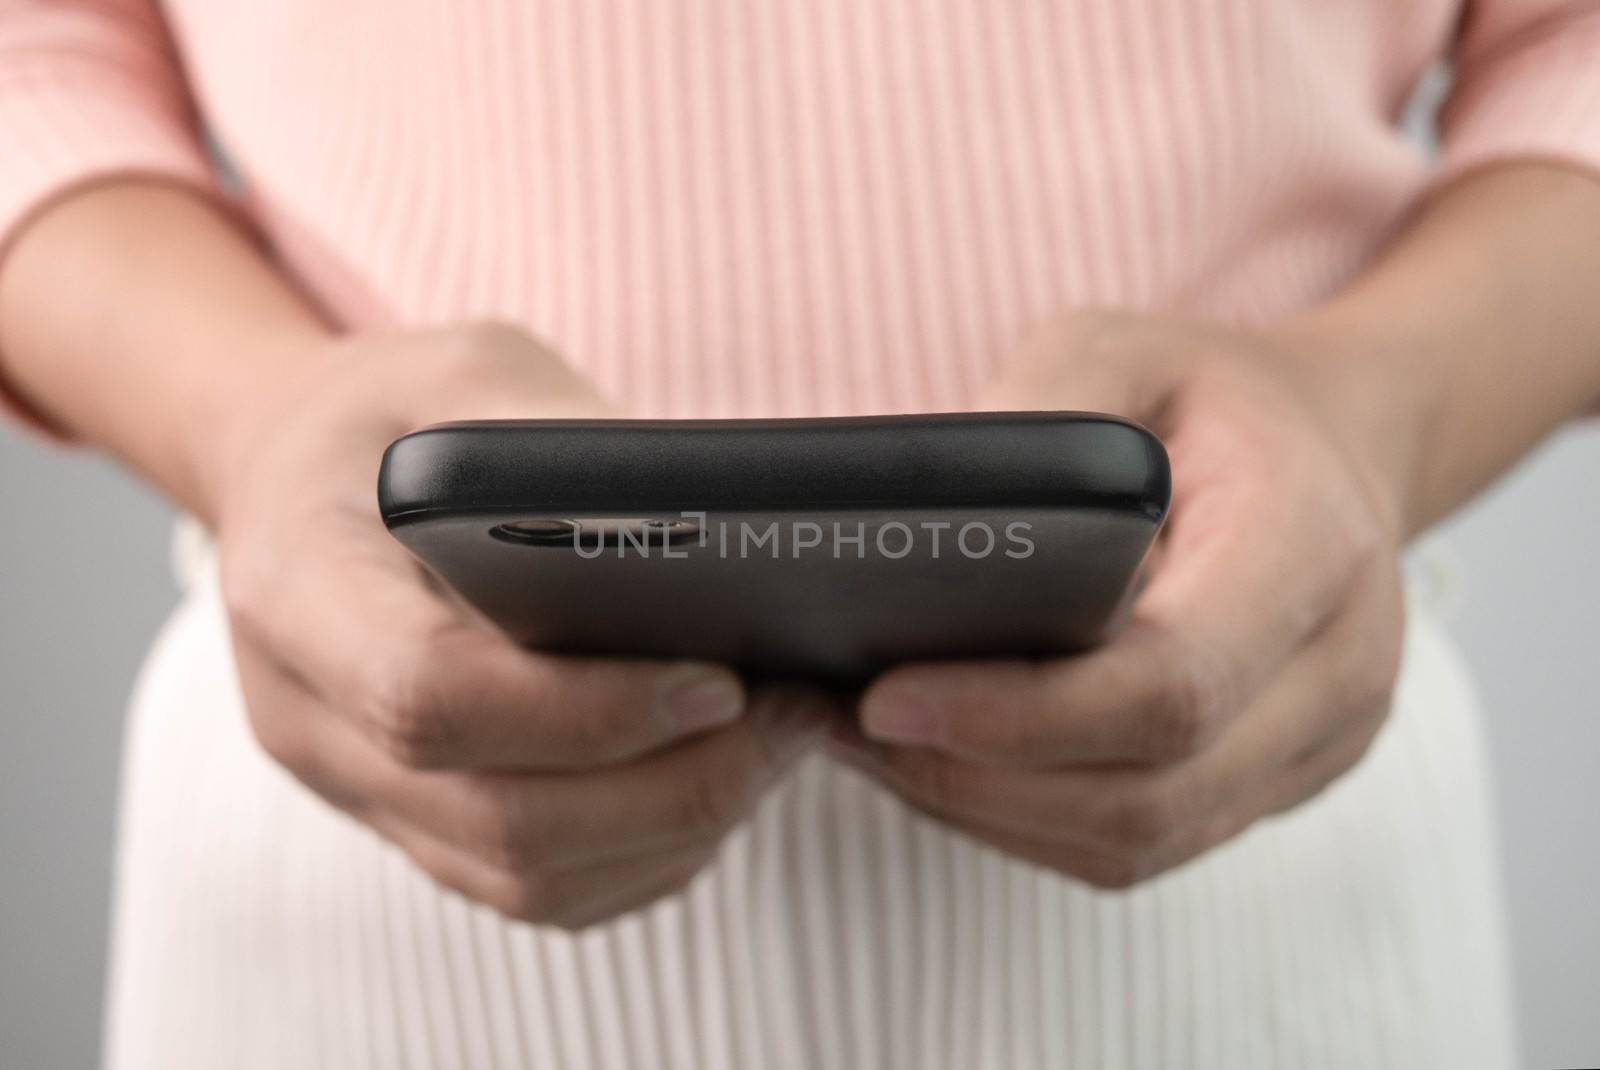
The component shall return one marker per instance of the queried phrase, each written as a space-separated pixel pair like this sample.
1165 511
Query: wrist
1470 339
1363 387
275 369
143 319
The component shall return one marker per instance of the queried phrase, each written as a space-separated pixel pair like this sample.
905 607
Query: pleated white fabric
256 927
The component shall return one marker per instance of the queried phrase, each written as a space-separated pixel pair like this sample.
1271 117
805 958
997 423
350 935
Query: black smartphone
824 548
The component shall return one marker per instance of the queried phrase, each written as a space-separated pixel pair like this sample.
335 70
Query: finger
1161 691
1243 583
664 882
358 624
687 796
1336 688
1146 697
570 900
1102 811
339 763
1109 870
1079 370
1123 867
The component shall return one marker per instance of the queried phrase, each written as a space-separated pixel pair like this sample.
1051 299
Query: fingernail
902 714
695 698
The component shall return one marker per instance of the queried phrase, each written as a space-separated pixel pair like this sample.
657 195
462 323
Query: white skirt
257 927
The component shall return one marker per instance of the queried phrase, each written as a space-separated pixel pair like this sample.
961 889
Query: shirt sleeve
1527 85
89 90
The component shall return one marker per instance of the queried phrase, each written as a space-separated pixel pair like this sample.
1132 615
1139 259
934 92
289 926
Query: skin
1260 660
558 790
1257 669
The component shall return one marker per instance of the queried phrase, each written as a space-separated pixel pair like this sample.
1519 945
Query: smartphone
818 548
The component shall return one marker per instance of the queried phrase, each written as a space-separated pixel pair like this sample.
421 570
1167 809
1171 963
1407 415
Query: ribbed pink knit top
776 207
754 207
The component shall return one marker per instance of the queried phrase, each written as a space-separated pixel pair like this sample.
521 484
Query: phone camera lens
538 531
672 529
596 531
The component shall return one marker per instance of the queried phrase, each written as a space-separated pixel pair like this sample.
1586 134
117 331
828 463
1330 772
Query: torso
773 207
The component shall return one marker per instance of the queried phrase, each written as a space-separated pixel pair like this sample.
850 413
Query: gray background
84 580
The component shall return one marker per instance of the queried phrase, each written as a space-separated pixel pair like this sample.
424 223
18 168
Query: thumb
1093 362
508 374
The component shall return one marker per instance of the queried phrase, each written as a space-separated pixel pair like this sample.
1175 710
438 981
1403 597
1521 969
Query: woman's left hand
1257 664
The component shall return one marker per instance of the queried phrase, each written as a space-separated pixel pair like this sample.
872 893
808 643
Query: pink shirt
769 207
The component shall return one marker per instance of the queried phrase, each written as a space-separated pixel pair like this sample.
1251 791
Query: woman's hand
554 789
1258 662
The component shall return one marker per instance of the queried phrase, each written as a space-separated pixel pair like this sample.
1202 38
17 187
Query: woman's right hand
555 789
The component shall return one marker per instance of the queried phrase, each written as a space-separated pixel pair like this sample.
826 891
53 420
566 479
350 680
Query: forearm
1475 336
140 319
